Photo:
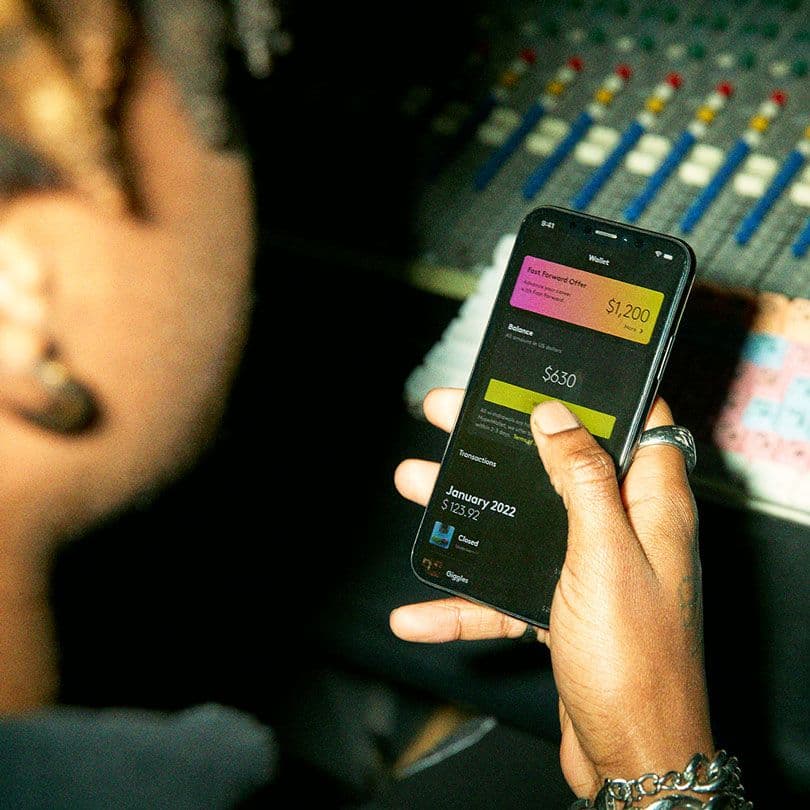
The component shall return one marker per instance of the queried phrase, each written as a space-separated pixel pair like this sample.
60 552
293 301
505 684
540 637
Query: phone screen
585 315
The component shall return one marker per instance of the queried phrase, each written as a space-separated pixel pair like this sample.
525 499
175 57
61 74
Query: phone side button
666 357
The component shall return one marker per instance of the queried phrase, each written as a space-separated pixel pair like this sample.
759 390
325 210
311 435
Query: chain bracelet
720 776
672 802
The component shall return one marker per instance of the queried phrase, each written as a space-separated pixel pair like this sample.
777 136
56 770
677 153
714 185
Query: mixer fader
688 118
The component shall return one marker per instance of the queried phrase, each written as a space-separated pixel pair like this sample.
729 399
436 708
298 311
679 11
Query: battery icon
668 256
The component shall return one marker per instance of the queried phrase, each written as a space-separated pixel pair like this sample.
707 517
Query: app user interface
584 334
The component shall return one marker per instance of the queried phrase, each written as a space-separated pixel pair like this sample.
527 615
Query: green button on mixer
720 22
799 67
670 14
748 60
647 44
697 50
598 36
770 30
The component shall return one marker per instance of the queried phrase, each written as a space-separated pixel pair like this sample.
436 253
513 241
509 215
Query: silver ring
529 634
676 436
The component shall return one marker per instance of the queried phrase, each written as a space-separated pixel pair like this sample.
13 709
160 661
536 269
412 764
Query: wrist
659 763
656 747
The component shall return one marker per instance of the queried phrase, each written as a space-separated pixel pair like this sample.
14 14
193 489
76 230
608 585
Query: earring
33 381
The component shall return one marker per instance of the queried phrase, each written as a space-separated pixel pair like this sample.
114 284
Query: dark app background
510 525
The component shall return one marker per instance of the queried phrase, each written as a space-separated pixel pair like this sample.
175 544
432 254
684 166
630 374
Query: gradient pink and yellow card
587 299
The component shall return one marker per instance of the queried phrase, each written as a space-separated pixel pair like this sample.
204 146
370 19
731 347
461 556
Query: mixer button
695 174
707 155
800 194
749 185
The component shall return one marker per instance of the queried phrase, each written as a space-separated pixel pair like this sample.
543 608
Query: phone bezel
624 234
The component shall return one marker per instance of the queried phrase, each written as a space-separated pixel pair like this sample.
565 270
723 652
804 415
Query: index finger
442 405
455 619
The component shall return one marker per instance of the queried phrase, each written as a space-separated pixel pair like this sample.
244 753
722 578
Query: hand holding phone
626 623
586 315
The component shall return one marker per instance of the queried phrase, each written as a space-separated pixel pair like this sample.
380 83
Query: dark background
263 578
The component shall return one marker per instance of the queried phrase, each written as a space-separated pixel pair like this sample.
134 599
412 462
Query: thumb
584 476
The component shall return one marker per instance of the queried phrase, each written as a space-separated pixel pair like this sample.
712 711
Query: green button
524 400
802 36
697 50
648 12
748 60
647 44
720 22
670 14
598 36
799 67
749 28
770 30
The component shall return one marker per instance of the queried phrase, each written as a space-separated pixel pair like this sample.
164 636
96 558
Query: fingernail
553 417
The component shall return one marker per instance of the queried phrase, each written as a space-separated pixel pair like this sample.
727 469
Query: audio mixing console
689 118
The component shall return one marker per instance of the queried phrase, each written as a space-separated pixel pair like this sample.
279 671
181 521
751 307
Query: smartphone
586 314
